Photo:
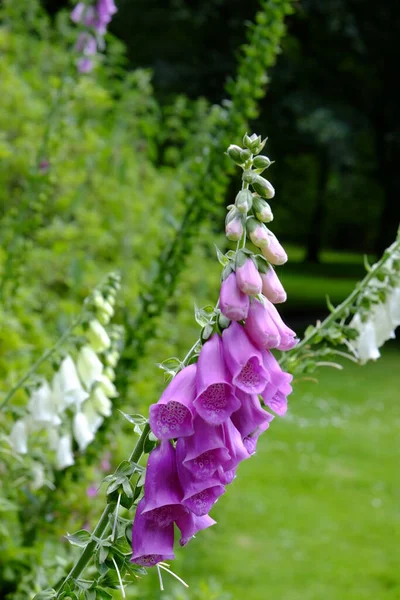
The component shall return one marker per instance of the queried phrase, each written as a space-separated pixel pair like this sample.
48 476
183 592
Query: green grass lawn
315 514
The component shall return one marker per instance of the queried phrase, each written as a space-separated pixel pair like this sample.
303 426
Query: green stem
349 300
87 554
45 356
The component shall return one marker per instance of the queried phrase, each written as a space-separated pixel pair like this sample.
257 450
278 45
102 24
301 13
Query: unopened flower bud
261 162
108 387
249 176
258 233
98 336
262 210
237 154
111 359
100 402
234 225
109 373
272 288
248 278
274 252
263 187
254 143
244 201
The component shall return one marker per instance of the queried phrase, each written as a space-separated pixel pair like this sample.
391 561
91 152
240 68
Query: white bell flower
69 386
94 419
19 437
89 366
65 457
365 345
43 407
100 402
82 431
98 336
394 304
384 327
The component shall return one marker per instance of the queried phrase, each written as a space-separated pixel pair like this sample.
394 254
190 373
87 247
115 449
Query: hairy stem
104 521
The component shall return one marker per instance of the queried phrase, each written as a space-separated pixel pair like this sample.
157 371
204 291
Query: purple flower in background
198 495
95 18
105 10
248 278
272 287
151 544
204 451
234 304
86 44
250 420
215 400
162 492
92 491
260 326
244 361
235 446
85 65
172 416
278 388
190 524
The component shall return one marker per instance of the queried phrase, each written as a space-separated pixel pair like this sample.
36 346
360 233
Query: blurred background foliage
89 182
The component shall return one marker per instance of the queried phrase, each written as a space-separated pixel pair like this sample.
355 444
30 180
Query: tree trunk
314 240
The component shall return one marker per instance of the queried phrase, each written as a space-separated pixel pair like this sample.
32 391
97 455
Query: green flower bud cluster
250 211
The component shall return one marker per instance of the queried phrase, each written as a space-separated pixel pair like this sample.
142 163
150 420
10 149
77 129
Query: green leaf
134 419
81 538
221 257
46 595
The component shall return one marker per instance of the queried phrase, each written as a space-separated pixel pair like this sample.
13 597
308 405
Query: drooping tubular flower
210 416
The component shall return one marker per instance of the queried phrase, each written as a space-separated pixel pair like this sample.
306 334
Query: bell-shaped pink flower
272 287
274 251
248 278
260 326
151 544
215 400
235 446
243 360
205 450
162 491
234 304
278 388
190 524
172 416
250 420
199 495
287 336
